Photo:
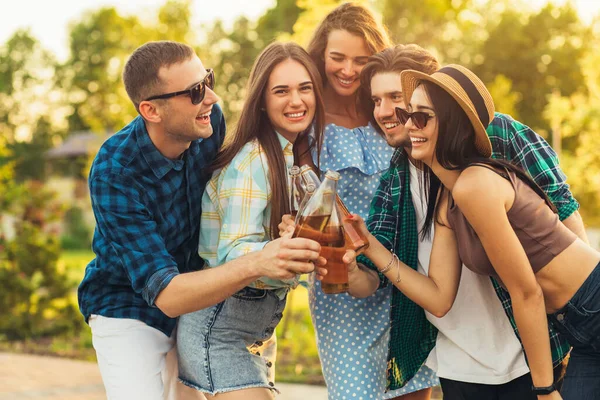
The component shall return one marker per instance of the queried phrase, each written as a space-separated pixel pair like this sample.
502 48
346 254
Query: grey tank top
538 228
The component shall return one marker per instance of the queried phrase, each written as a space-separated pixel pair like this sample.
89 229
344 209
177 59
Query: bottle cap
334 175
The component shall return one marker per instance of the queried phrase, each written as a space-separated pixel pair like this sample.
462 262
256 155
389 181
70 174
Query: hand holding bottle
349 260
284 258
360 227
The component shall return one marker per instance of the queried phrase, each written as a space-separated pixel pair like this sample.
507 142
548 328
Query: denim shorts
232 345
579 322
579 319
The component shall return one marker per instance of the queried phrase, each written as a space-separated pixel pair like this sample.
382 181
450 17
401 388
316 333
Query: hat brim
410 80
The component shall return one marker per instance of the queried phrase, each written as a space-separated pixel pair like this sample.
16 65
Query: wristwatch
541 390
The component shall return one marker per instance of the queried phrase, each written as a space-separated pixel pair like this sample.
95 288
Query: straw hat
467 89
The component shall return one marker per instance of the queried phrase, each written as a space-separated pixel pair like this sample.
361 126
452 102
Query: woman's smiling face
345 57
290 99
423 140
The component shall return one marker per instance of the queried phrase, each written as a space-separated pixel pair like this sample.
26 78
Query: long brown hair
254 124
351 17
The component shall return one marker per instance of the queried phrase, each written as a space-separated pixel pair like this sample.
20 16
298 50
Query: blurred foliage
91 77
35 298
577 118
24 85
539 54
77 234
29 156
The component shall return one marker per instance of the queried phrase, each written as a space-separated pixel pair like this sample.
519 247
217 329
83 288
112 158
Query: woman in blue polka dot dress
353 334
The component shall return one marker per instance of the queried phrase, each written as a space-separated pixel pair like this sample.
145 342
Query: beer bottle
317 211
333 248
354 240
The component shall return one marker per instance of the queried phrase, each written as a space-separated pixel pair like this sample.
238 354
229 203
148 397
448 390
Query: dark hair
254 124
353 18
140 74
455 150
393 59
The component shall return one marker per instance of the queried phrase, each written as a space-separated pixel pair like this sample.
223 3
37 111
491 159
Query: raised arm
484 197
437 291
124 222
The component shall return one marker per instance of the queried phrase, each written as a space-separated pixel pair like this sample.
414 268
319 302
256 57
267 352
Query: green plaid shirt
392 221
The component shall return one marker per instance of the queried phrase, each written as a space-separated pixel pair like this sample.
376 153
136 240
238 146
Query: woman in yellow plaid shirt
230 348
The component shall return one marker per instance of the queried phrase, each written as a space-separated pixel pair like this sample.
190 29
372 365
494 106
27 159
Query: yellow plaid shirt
236 211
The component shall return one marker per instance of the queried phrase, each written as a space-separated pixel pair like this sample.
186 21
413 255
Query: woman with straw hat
491 216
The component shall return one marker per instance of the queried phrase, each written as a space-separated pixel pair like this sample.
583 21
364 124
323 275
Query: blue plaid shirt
147 210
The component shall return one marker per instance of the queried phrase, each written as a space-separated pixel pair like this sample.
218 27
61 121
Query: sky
49 20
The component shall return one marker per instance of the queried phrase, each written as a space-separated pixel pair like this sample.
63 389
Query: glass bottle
320 221
310 190
333 248
308 175
354 240
317 211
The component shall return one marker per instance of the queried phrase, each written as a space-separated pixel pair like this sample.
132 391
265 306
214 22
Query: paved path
26 377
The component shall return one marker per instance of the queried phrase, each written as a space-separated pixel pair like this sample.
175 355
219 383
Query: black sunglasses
419 118
196 92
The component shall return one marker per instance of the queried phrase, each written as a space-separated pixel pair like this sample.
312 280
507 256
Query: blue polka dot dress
353 334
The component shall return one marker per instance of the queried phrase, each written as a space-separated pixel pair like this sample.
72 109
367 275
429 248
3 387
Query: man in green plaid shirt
394 221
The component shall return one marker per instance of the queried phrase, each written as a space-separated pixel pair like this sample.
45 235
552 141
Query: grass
297 358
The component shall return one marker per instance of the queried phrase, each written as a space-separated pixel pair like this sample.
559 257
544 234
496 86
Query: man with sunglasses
146 185
474 349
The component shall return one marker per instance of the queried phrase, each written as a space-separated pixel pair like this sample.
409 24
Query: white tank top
475 342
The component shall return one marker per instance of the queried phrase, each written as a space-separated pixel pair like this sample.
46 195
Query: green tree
29 155
540 53
278 20
24 65
452 29
576 118
174 22
36 294
99 45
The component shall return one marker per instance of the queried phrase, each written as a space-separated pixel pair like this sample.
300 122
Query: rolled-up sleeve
125 223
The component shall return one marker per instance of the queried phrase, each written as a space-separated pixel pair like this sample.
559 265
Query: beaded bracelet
389 265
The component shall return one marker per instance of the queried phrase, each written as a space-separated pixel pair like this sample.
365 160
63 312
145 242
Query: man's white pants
137 361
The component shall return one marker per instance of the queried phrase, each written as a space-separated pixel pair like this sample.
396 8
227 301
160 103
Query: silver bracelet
398 279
